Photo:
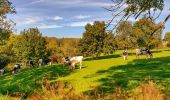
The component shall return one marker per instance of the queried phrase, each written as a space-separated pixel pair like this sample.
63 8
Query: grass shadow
167 50
28 80
132 74
102 57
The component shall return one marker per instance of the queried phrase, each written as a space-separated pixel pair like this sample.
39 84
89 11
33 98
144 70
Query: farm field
105 73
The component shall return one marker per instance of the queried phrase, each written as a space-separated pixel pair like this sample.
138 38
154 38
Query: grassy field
105 73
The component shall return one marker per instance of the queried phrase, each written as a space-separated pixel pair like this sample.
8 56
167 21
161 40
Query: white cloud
37 1
97 4
28 20
49 26
75 3
82 16
79 24
58 18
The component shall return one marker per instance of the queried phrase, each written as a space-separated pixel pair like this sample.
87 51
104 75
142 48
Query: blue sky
64 18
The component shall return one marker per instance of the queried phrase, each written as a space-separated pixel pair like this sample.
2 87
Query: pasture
103 73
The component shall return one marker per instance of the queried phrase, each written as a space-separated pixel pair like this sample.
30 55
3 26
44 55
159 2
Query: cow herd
71 62
142 51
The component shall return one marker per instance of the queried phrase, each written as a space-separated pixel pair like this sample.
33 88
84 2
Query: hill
104 73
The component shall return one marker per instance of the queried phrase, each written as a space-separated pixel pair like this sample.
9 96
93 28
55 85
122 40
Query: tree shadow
167 50
155 51
132 74
28 80
102 57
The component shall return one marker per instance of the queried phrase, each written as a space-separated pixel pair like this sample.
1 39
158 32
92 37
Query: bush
4 60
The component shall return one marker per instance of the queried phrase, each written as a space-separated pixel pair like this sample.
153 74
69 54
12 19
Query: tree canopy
30 45
167 38
124 9
95 40
138 34
6 8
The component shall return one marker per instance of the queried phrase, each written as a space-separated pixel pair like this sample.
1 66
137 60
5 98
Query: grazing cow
30 63
66 60
144 51
75 60
72 61
125 54
44 61
16 68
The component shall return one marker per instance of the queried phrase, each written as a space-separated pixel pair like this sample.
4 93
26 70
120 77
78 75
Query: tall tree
124 9
5 25
30 45
92 42
109 43
5 8
142 31
123 37
167 38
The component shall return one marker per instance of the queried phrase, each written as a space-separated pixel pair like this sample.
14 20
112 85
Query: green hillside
105 72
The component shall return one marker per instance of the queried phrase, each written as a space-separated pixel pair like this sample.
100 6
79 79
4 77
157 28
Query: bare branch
162 25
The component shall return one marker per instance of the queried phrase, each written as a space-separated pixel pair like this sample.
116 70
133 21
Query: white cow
72 61
75 60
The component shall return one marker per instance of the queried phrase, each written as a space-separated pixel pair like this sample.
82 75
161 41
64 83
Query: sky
64 18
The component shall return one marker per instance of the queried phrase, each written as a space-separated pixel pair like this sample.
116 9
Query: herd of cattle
73 61
70 61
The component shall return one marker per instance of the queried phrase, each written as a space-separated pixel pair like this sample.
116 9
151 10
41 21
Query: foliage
6 8
123 37
167 38
109 44
138 34
143 33
29 45
4 60
58 48
94 39
122 10
4 35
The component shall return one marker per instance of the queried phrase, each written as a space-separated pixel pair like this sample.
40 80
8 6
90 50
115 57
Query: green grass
106 72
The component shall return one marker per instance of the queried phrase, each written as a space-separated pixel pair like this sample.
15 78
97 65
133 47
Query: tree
142 33
6 8
109 43
6 51
123 37
30 45
92 42
5 25
167 38
4 35
138 34
124 9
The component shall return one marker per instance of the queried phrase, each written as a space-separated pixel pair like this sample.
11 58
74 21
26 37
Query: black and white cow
16 68
66 60
144 51
30 63
72 61
44 61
